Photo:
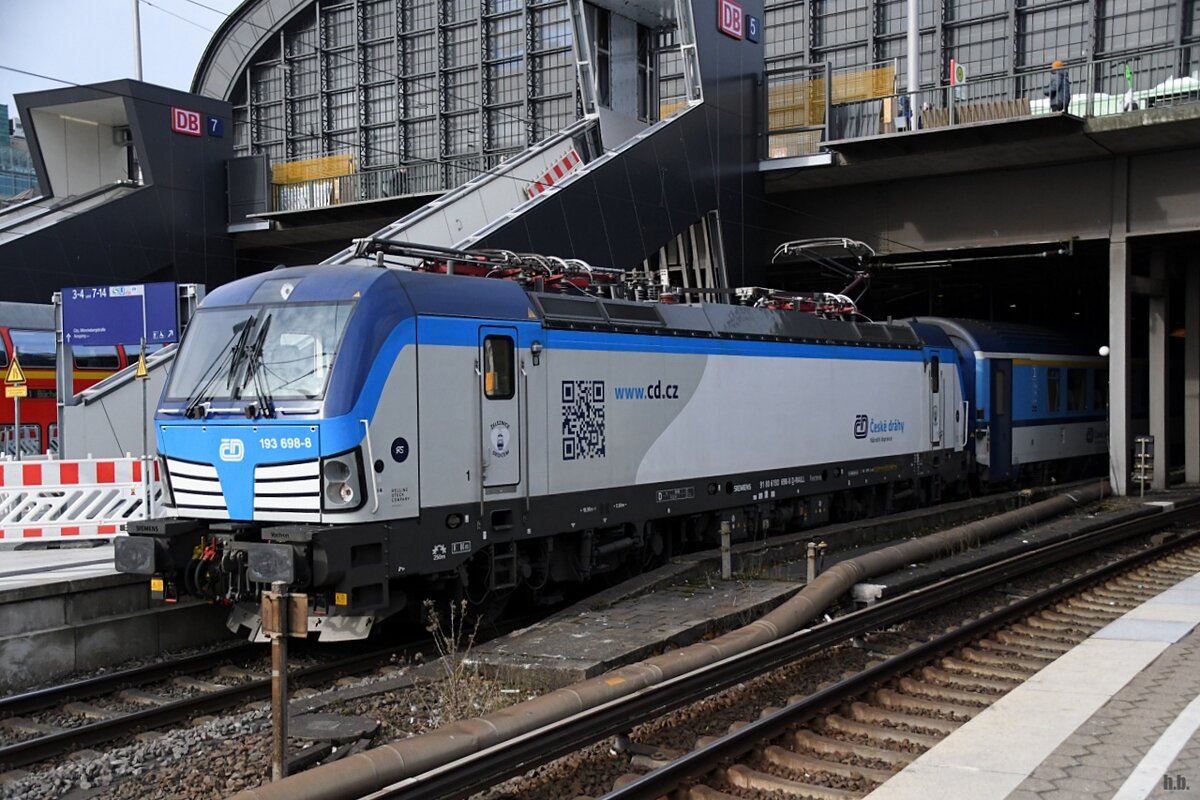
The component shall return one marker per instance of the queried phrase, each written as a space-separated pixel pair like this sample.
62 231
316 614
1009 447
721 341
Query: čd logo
232 450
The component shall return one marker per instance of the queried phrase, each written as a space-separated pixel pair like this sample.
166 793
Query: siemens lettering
655 391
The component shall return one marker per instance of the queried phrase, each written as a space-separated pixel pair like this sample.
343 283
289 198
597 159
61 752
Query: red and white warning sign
569 162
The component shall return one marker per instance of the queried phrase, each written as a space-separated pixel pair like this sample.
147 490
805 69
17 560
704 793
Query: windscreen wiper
213 372
239 352
264 404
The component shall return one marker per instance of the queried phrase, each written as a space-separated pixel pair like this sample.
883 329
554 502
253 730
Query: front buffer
256 505
340 568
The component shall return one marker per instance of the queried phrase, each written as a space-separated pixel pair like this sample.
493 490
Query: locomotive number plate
672 495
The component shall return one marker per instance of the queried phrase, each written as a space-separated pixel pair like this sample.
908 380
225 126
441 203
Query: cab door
937 401
499 407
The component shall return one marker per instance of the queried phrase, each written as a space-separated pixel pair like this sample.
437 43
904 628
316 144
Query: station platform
581 643
68 611
1115 717
24 568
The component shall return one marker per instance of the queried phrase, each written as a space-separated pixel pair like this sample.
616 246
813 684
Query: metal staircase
498 194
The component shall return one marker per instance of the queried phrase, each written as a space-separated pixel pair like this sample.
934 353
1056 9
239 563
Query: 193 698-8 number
285 443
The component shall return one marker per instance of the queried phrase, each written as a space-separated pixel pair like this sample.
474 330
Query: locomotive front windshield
277 352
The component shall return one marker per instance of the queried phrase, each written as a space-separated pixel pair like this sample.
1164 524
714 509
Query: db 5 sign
730 19
185 122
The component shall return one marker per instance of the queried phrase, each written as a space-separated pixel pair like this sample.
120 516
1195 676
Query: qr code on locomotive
583 419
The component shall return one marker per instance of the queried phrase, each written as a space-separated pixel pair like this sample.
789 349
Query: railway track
886 715
42 724
882 721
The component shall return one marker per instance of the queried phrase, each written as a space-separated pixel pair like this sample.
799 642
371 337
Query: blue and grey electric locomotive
370 436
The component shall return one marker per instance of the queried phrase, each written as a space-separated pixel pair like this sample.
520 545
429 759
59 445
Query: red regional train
27 330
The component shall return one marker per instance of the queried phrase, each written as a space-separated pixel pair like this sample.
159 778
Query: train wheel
656 548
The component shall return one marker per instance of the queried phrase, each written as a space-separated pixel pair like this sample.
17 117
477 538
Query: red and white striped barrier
75 499
558 170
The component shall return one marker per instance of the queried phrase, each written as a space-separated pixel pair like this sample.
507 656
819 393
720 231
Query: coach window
1076 389
34 348
91 356
498 367
1052 394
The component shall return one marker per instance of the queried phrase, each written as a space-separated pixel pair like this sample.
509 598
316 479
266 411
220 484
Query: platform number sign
185 121
753 28
120 315
216 127
729 18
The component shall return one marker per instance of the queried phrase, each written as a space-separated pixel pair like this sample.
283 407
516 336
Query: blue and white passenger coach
373 436
1040 400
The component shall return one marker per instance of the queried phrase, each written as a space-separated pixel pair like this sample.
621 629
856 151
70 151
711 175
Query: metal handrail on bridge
377 184
808 107
581 138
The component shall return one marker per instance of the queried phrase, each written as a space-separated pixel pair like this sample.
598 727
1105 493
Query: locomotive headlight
341 478
336 471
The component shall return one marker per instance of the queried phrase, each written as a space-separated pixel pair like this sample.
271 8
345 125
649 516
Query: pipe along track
837 757
897 726
471 755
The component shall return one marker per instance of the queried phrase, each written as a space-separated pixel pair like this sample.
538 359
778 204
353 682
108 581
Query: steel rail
489 767
43 747
701 760
32 750
38 699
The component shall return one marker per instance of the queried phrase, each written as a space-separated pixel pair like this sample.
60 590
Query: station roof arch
238 40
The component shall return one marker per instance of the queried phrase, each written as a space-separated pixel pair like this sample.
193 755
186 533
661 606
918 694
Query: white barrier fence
49 500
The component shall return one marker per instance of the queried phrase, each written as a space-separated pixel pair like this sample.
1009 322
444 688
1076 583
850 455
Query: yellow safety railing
800 102
310 169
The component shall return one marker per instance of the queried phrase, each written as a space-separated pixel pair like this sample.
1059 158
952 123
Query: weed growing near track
464 691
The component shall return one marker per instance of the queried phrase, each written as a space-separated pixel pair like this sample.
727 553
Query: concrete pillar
1158 333
1191 374
1118 365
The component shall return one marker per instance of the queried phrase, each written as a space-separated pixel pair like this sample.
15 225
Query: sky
88 41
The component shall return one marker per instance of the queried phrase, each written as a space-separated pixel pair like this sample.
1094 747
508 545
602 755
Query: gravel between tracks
216 756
